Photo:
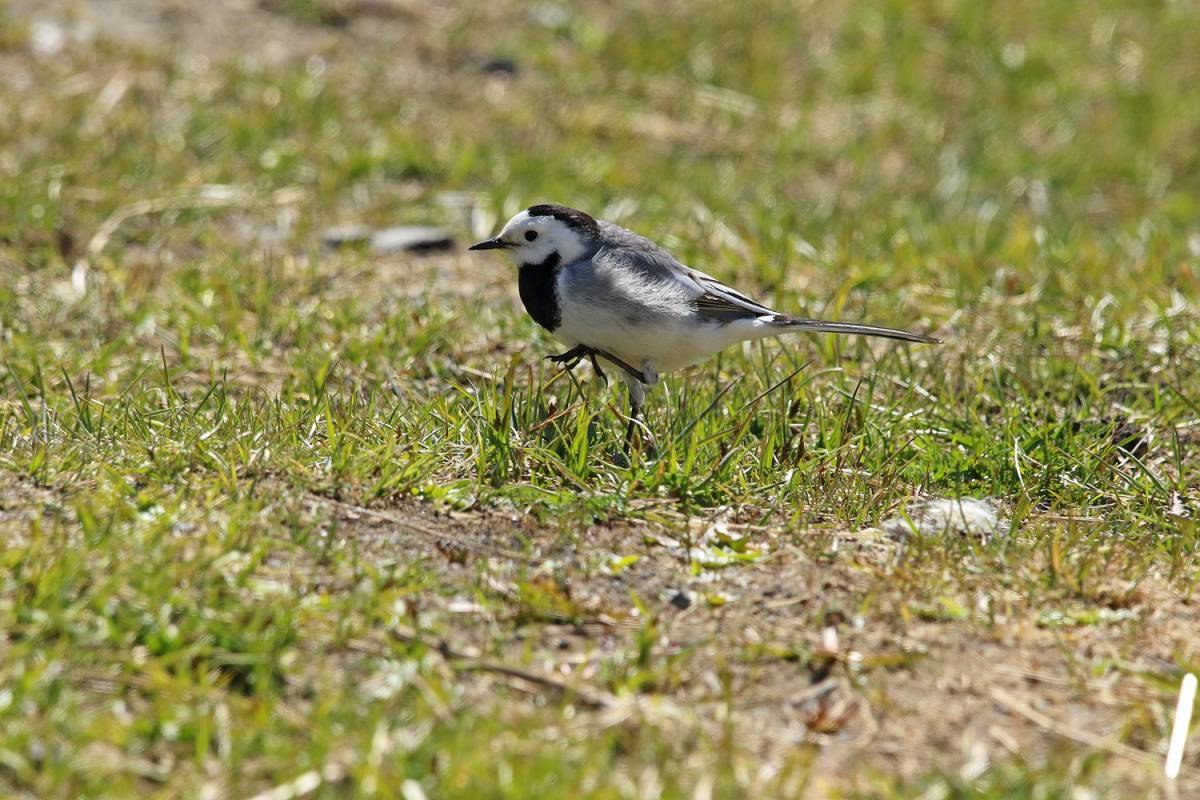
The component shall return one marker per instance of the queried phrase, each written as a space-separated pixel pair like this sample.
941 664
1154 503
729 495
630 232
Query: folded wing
658 277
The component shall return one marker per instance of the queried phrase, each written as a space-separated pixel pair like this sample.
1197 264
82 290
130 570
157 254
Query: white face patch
535 239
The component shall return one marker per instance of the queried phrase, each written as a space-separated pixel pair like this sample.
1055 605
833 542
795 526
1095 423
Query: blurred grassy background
186 366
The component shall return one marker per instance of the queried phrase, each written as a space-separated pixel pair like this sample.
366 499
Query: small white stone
964 516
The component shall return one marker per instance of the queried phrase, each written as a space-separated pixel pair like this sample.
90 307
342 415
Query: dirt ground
782 649
948 695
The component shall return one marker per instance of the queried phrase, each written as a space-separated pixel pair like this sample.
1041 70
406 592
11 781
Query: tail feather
820 326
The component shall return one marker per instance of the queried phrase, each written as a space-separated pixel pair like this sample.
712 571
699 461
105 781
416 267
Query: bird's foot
639 439
639 444
570 359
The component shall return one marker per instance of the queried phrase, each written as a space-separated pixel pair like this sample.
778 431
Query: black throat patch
536 283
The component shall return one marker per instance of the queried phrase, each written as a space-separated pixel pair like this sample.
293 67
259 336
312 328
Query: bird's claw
570 359
565 363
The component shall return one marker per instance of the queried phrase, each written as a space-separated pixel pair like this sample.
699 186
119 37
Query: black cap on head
573 219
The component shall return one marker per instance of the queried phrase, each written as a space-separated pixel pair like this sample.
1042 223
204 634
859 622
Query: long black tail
820 326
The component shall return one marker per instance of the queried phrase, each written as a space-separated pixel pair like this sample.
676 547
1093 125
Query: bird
608 293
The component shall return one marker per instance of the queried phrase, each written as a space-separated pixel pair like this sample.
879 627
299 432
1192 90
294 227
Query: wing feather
710 299
649 276
723 303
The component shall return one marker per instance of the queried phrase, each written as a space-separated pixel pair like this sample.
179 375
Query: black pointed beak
488 244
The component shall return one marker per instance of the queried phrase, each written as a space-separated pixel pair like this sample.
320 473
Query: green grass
188 378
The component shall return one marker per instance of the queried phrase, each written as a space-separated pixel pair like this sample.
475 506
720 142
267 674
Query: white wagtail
608 293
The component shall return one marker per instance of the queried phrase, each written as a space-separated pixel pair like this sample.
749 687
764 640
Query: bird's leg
570 359
637 396
634 411
636 374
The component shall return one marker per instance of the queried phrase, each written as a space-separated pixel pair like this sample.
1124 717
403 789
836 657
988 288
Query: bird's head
539 233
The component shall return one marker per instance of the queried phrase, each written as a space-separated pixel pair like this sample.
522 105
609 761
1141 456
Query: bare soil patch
895 695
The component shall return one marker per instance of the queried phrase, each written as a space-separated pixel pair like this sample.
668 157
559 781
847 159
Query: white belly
664 342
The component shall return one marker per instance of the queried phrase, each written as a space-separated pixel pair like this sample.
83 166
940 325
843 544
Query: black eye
530 235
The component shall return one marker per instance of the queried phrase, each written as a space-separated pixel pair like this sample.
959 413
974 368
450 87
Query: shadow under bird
610 294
